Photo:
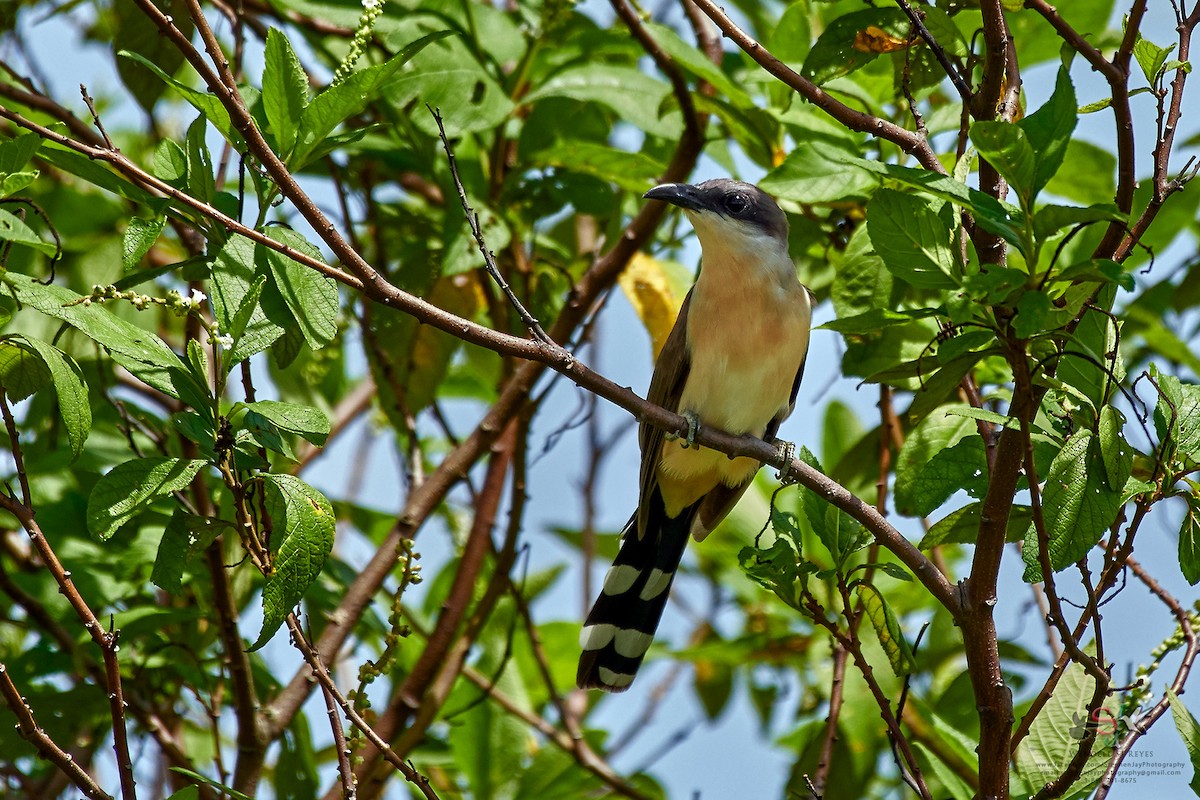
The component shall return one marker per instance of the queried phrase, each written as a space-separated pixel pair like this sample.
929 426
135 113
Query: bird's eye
736 204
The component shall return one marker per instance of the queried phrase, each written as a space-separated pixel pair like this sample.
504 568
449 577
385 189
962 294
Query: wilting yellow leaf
877 40
656 290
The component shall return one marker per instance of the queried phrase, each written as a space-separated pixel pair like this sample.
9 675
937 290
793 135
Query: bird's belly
687 474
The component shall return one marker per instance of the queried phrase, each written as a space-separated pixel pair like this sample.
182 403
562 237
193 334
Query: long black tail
621 625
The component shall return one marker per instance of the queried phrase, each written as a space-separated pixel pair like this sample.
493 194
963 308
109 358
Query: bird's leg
689 440
786 450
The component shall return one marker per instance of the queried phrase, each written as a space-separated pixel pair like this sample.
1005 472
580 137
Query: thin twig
91 107
489 259
917 18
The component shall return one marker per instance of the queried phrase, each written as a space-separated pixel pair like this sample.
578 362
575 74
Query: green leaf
887 628
17 152
136 32
127 489
1189 731
1051 219
1086 174
1077 504
839 50
13 229
1036 312
936 388
1059 727
201 180
304 421
170 162
71 389
871 321
343 100
690 58
632 171
961 526
1150 57
284 90
14 182
779 568
861 281
912 240
21 372
811 174
311 296
990 214
1114 449
1049 131
209 105
1008 149
94 173
1177 414
1189 542
627 91
185 537
235 291
301 540
940 456
1098 270
140 236
950 780
840 533
196 776
1096 338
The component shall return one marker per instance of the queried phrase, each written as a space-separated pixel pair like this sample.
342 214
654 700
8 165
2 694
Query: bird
733 361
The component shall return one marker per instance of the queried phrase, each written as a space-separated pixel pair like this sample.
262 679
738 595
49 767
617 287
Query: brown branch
852 644
1001 82
825 760
1163 186
31 732
105 640
340 747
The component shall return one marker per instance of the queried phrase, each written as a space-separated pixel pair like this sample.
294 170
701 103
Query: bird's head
729 215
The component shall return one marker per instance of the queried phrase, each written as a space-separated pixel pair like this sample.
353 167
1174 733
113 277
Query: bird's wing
773 425
666 388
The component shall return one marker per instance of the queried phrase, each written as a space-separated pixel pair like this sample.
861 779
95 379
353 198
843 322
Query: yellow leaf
877 40
656 290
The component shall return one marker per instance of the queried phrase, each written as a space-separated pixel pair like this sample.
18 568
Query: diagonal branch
31 732
855 120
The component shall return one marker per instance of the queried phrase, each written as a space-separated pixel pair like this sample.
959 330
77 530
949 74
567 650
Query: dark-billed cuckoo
733 361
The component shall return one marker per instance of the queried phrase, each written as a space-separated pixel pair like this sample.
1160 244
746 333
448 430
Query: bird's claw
786 451
689 440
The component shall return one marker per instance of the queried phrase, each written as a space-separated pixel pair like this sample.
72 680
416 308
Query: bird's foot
786 451
689 439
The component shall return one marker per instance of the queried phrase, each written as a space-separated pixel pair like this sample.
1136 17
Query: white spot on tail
655 584
632 643
619 578
593 637
616 680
